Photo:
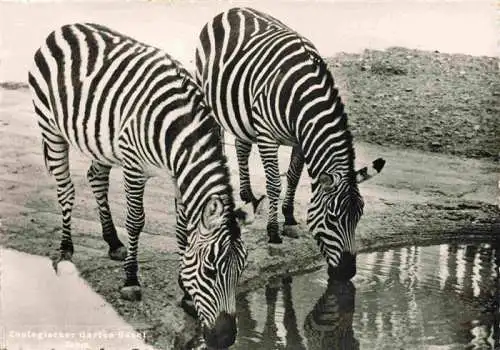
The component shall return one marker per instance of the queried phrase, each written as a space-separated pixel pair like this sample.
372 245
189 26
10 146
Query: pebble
408 89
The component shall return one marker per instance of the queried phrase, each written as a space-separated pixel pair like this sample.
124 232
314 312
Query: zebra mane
234 213
339 109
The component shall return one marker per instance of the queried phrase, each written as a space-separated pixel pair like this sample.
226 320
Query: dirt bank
420 196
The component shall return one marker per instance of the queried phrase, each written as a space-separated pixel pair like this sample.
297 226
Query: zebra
126 104
329 324
268 85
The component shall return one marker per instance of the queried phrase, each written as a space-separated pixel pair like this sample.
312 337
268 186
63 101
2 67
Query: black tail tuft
378 164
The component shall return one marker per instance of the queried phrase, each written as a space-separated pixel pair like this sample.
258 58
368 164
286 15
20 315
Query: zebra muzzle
345 270
223 334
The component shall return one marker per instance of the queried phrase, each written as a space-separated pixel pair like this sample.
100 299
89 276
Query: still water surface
435 297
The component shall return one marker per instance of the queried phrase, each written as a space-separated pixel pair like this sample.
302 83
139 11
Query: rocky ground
424 100
430 115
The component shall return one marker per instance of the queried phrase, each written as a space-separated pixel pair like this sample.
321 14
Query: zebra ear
326 179
366 172
212 213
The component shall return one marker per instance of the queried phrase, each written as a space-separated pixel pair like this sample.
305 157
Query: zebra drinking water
268 85
124 103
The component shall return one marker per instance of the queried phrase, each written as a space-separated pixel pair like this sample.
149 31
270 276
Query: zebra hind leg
243 150
135 183
293 177
56 154
98 177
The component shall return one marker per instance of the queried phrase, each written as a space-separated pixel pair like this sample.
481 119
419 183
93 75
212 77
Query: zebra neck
199 182
326 144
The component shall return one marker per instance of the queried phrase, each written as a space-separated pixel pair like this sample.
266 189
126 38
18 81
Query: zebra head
335 210
212 264
329 324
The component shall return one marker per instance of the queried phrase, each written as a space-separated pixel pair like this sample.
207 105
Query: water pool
419 297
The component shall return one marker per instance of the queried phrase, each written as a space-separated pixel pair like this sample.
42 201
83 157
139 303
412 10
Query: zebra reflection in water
444 295
327 326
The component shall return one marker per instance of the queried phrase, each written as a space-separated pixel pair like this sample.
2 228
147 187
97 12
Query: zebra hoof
287 279
256 203
131 293
187 305
276 239
65 255
119 253
290 231
290 220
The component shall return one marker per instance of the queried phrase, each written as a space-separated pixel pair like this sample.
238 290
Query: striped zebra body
268 85
124 103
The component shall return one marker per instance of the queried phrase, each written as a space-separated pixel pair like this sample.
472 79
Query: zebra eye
209 271
211 256
332 188
333 216
332 212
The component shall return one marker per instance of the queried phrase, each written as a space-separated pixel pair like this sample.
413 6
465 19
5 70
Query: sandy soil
418 197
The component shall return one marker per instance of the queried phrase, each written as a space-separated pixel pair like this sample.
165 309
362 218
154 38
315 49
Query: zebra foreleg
134 187
56 154
293 177
243 150
293 338
269 155
187 303
98 177
270 332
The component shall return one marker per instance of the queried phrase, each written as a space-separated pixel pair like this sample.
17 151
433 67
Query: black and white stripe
268 85
124 103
